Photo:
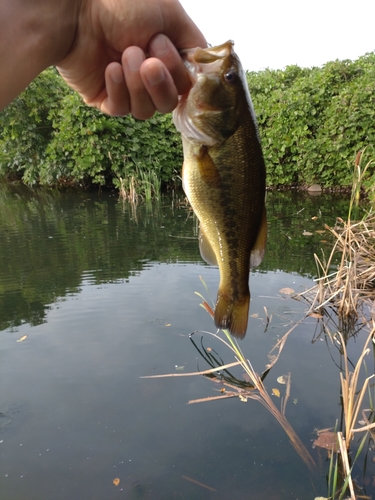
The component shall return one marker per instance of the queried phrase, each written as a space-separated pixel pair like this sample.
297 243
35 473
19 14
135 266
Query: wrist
34 34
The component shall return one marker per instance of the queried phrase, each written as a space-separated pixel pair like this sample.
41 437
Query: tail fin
232 315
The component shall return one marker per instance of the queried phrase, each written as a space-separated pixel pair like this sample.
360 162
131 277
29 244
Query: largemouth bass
224 175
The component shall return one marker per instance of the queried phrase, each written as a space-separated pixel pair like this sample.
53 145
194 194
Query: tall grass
359 178
143 183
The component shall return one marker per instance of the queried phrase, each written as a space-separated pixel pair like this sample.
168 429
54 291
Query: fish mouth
209 54
193 110
203 61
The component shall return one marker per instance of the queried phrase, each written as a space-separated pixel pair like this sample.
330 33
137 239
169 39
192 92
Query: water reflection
106 296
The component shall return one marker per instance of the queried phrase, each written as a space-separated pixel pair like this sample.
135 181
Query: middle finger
141 105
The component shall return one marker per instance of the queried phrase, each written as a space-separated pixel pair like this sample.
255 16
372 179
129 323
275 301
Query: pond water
95 295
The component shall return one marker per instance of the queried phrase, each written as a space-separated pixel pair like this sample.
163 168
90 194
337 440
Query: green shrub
312 122
25 127
89 147
48 136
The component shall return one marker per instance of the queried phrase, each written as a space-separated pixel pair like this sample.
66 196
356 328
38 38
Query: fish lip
192 72
219 51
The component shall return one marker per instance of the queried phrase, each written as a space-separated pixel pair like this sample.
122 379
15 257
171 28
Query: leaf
315 315
282 379
320 231
24 337
327 440
286 291
276 392
307 233
116 481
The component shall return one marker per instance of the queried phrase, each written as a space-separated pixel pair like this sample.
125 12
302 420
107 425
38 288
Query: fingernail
156 76
117 76
134 59
159 46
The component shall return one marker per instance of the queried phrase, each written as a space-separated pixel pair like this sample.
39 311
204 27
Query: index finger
163 49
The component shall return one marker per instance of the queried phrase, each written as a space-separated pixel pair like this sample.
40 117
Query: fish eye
231 76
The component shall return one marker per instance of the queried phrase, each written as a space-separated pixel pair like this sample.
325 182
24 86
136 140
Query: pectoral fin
257 252
205 248
207 168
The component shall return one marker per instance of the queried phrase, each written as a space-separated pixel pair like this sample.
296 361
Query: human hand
125 58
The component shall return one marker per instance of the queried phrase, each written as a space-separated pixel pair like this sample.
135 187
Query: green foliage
89 147
48 136
25 127
313 121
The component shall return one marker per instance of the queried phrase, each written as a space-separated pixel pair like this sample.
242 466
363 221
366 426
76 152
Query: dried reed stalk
345 463
353 284
352 396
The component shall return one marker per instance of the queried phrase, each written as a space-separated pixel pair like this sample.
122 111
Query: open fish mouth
209 60
209 54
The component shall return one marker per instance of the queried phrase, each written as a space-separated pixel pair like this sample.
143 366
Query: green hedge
312 122
48 136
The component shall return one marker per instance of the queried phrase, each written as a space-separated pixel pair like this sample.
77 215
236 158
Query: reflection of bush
290 216
15 309
49 241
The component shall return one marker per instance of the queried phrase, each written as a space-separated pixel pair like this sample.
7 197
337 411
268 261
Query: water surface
105 295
